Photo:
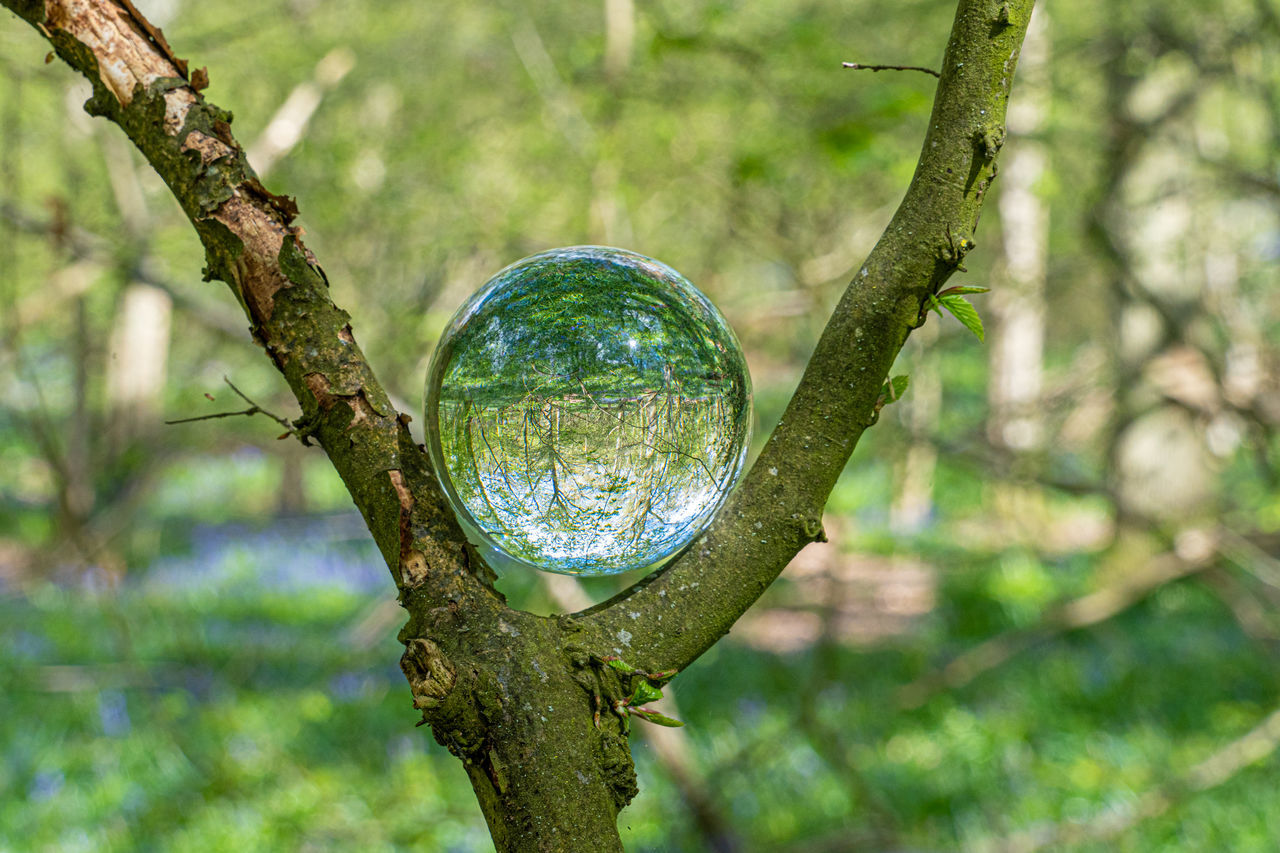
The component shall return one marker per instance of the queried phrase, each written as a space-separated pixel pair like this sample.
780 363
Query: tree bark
525 701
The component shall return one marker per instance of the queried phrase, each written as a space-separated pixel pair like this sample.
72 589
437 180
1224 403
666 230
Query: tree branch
480 672
677 613
251 244
670 618
254 409
860 66
488 679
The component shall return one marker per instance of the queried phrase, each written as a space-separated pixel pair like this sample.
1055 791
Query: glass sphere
587 411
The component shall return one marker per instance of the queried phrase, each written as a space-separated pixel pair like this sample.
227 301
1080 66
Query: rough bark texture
518 698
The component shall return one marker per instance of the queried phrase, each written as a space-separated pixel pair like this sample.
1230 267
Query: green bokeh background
205 657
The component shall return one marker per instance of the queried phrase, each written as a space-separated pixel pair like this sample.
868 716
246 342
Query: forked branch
477 669
670 618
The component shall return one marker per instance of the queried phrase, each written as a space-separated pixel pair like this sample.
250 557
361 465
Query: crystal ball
587 410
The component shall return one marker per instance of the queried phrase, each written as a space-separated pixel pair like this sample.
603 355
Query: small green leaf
619 664
962 289
656 718
965 313
892 391
645 693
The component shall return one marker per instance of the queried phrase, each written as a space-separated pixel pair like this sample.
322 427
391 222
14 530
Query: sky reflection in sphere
588 409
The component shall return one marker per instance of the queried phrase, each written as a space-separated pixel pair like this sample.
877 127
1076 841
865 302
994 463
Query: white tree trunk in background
1162 466
136 357
619 35
1016 345
913 499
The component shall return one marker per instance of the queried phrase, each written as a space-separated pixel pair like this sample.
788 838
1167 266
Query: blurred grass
232 697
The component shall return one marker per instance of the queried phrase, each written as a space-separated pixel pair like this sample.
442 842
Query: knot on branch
431 676
989 141
1005 16
813 530
809 527
952 254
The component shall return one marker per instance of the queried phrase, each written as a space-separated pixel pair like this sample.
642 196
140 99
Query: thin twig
858 66
254 409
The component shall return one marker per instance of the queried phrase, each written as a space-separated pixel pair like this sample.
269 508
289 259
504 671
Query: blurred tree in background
1050 610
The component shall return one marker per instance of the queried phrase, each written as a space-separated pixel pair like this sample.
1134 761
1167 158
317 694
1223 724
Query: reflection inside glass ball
588 409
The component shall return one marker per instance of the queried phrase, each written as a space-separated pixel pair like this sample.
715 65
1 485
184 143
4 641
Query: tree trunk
546 774
536 707
913 496
1015 357
137 357
1159 464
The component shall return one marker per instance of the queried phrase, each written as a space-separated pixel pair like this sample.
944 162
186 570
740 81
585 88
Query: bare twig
858 66
254 409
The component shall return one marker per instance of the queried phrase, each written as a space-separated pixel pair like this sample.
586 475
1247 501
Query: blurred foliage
199 648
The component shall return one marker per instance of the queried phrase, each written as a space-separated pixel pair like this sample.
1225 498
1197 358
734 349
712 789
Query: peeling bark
516 697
